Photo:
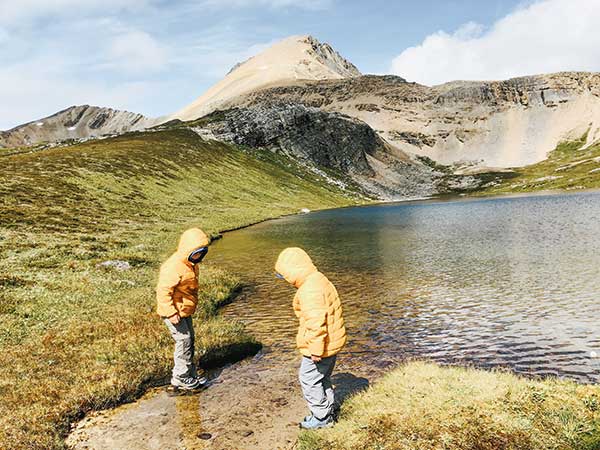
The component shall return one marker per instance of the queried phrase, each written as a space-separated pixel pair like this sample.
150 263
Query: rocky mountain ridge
499 124
75 122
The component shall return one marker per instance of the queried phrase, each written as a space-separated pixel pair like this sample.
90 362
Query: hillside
77 335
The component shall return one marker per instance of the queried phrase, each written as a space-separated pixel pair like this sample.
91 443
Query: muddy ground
255 404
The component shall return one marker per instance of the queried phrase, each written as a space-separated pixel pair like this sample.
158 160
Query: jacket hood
295 265
191 240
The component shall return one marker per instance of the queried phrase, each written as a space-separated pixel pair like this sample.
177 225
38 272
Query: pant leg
183 336
329 391
192 366
312 380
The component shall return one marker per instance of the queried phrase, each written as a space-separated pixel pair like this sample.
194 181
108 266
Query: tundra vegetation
77 335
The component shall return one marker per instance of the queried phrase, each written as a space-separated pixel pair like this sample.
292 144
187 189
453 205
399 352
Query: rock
414 138
115 264
329 140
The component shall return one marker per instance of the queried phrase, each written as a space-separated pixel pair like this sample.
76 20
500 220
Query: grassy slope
568 167
426 407
75 336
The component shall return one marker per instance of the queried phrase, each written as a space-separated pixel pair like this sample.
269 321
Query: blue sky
154 56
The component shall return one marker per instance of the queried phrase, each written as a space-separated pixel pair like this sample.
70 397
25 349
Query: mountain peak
302 52
293 58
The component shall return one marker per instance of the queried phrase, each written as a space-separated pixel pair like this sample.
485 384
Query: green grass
568 167
7 151
426 407
75 336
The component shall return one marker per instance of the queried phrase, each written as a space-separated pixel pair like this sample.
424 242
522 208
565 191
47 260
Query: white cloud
546 36
67 64
136 51
20 12
29 94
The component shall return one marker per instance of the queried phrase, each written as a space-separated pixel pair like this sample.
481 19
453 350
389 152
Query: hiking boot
188 383
312 423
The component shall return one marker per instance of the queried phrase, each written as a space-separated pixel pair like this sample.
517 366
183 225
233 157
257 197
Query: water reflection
504 282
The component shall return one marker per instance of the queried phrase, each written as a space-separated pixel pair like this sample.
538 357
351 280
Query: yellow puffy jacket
316 304
177 288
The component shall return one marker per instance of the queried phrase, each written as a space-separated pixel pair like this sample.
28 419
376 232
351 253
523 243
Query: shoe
334 414
188 383
312 423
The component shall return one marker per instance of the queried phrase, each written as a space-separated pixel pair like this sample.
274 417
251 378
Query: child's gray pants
183 356
315 379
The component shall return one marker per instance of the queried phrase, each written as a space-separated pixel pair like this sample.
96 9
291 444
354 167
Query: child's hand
174 319
316 358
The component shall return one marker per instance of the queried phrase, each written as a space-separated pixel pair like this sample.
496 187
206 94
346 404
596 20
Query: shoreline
442 198
242 346
235 367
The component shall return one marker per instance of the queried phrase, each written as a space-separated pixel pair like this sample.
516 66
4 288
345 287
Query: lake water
511 282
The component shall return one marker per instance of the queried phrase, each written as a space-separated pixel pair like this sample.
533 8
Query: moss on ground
425 406
76 336
571 166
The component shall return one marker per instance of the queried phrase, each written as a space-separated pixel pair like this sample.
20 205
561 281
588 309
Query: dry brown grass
422 406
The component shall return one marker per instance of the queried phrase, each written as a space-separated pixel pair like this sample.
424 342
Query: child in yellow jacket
176 299
321 332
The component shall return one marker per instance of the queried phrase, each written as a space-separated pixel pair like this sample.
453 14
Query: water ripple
509 282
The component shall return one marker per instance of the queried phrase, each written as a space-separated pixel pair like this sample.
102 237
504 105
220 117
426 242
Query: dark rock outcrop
348 146
329 140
